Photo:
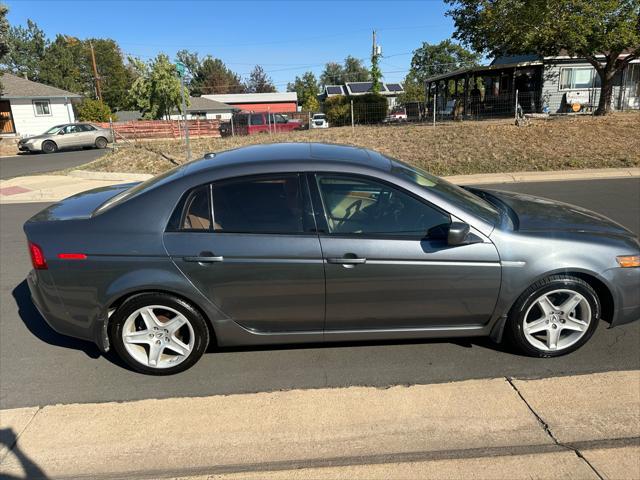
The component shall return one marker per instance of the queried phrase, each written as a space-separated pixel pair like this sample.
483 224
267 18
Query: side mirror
61 132
458 232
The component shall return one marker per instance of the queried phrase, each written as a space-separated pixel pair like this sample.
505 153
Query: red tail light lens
72 256
37 257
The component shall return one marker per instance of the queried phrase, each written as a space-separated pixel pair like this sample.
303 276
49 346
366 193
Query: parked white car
319 120
68 135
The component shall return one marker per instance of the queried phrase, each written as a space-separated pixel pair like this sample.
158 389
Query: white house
201 108
30 108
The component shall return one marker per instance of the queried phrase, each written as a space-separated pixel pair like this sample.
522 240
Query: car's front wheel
158 334
554 316
49 147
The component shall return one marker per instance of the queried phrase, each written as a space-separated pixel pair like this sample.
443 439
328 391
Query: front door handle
347 260
205 257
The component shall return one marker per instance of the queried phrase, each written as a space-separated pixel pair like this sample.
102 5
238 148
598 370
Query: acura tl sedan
293 243
69 135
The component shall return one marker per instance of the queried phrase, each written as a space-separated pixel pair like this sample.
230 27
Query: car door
255 254
388 264
86 135
67 137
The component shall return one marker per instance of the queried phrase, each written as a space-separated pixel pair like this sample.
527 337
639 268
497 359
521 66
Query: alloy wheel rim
158 336
556 320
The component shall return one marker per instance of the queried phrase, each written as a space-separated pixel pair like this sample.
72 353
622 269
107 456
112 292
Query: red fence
136 130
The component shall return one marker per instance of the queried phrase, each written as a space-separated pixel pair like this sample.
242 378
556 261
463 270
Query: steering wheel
357 205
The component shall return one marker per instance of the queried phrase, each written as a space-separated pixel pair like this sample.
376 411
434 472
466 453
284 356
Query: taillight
72 256
37 257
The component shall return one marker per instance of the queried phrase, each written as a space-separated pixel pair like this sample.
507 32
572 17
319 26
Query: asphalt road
30 163
40 367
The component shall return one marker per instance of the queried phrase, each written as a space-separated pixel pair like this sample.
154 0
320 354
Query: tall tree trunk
606 92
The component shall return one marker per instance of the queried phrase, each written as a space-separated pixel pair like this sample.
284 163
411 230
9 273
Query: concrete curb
110 176
547 176
483 420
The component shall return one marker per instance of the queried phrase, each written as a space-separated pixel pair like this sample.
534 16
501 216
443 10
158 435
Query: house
557 84
278 102
201 108
30 108
388 90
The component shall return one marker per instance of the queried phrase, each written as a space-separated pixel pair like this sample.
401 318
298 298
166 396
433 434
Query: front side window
42 107
576 78
355 205
257 119
271 204
280 119
197 210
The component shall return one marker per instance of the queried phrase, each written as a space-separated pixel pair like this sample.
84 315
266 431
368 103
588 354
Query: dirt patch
447 149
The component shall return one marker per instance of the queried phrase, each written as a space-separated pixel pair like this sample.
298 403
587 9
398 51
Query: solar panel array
394 87
334 90
360 87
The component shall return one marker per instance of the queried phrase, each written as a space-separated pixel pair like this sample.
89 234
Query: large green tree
307 88
352 70
64 66
115 78
259 81
26 49
209 75
605 32
155 90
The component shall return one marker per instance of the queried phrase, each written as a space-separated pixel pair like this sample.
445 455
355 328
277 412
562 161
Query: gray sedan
69 135
293 243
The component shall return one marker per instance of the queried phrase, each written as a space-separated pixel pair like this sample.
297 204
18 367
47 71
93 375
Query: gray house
544 84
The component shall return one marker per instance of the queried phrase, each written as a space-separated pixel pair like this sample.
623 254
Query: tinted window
280 119
259 205
256 119
355 205
197 211
241 120
85 128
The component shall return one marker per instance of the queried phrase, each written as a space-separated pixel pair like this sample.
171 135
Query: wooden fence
139 130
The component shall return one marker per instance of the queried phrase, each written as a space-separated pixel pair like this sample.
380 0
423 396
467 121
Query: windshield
318 116
454 194
54 130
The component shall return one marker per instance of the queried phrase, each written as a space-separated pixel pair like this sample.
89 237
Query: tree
209 75
64 66
439 58
155 90
4 32
26 49
307 89
599 30
90 110
115 78
352 70
259 81
376 74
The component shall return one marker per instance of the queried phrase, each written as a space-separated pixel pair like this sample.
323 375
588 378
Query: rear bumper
47 302
625 286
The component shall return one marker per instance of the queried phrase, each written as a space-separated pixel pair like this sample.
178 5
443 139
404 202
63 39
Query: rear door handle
347 260
209 259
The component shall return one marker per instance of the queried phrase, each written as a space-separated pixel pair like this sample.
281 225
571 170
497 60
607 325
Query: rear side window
273 204
197 210
257 119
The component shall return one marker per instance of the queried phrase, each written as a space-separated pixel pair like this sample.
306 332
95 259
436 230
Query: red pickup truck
250 123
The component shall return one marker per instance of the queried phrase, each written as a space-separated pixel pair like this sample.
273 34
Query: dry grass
447 149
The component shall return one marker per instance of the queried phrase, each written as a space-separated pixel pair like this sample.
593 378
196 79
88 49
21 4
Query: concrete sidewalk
53 188
568 427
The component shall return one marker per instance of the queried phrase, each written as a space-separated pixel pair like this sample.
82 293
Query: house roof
202 104
14 86
231 98
485 68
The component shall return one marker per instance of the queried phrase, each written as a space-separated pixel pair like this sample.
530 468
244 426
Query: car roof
302 153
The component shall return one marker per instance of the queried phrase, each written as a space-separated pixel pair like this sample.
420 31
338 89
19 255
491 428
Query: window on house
576 78
198 115
42 107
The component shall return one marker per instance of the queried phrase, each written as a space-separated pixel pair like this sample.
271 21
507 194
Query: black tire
49 146
515 323
101 142
198 323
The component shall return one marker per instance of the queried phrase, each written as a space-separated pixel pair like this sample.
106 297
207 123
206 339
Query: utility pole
180 67
375 69
95 73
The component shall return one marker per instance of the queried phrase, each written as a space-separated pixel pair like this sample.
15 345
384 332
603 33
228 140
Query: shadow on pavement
9 439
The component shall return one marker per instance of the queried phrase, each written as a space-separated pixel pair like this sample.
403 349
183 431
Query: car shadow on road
9 439
38 327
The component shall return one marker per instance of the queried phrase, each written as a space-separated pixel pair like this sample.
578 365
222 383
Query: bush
369 108
94 111
337 110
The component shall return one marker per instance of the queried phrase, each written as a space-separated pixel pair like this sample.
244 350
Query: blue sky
287 38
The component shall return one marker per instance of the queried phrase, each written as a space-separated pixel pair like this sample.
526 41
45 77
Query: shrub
94 111
369 108
338 110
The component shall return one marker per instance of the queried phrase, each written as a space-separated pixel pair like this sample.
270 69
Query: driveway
29 164
40 367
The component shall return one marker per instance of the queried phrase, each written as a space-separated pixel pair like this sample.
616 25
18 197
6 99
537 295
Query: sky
286 38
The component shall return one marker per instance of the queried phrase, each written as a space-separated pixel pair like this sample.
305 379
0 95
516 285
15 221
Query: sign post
181 71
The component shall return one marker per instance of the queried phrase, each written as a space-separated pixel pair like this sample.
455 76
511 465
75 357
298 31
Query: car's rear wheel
158 334
555 316
101 142
49 147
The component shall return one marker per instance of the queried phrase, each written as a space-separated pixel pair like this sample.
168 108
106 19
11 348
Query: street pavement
40 367
27 164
